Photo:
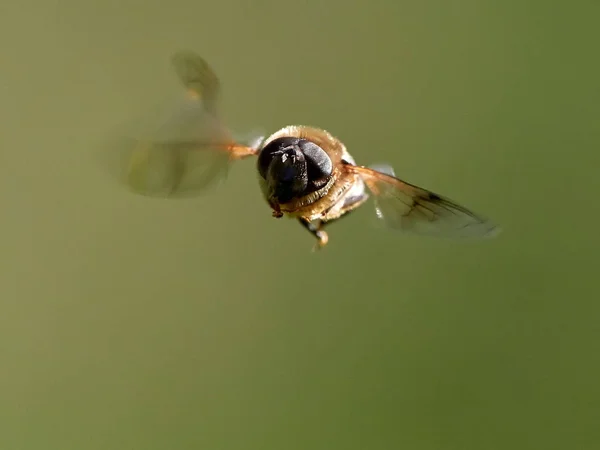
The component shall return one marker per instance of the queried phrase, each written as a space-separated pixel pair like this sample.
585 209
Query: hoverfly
304 172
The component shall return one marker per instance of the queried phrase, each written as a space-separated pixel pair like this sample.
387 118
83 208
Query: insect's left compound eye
318 162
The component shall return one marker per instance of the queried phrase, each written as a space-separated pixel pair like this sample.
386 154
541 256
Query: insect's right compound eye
275 146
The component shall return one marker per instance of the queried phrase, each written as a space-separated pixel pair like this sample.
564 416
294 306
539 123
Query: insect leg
315 228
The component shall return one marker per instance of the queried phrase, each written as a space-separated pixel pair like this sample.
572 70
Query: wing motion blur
182 151
409 208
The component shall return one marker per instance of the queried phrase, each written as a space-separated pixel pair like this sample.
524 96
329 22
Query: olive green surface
140 324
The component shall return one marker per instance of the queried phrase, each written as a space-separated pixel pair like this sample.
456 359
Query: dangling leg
315 228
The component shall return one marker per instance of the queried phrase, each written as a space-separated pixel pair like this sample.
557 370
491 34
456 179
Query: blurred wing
182 150
410 208
198 77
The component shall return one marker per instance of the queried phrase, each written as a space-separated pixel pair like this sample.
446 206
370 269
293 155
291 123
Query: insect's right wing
406 207
198 78
181 151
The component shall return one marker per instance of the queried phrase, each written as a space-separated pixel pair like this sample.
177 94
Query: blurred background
135 323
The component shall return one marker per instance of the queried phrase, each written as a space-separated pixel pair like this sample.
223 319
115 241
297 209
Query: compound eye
266 154
319 164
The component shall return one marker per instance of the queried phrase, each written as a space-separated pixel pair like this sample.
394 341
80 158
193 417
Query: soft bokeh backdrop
132 323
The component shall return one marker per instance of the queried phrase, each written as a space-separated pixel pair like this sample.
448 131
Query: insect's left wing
403 206
181 151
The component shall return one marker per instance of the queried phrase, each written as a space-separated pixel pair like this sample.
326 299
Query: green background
133 323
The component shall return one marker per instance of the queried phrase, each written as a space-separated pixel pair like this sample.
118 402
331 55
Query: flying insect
304 172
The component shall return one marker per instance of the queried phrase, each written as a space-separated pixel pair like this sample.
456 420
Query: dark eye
318 162
266 154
